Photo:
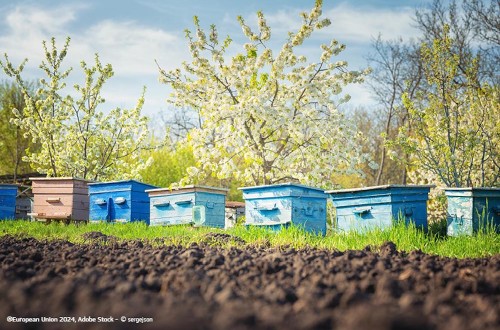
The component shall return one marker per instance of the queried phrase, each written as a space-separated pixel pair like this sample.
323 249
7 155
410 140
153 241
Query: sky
133 34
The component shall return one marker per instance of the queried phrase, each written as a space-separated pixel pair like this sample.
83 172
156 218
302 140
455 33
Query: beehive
119 201
378 207
24 202
234 211
471 208
277 206
63 198
8 193
200 205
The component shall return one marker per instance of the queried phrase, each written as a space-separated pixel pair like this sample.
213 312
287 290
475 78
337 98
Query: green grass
407 238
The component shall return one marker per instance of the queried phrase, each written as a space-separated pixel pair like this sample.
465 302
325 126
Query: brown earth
204 287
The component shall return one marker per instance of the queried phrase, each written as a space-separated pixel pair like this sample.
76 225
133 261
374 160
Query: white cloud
363 24
27 20
27 26
351 24
129 46
132 48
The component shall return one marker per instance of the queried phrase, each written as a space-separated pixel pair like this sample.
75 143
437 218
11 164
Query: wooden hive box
275 206
377 207
233 211
119 201
24 202
63 198
8 193
201 205
471 208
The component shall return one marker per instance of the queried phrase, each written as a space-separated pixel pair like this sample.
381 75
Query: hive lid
9 185
121 181
288 184
472 189
473 192
189 188
388 186
235 205
59 179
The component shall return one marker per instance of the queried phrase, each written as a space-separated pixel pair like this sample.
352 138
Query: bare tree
182 122
485 19
396 69
474 30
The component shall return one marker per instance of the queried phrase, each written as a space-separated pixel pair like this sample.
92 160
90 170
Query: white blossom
75 137
268 116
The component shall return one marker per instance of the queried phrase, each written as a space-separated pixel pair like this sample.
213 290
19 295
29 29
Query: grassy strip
407 238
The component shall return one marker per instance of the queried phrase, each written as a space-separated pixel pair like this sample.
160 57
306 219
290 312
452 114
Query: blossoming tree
267 116
75 138
454 131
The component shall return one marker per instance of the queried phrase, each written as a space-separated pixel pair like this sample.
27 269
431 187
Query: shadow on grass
438 229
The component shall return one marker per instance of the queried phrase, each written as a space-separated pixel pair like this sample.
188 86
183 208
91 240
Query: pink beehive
60 198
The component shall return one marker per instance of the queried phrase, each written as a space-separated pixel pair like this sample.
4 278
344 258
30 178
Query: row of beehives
272 206
121 201
15 201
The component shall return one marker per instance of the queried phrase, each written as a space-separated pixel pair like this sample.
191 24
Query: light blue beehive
199 205
279 205
470 208
119 201
368 208
8 193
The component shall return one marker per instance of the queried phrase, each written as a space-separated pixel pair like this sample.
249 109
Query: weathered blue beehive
24 203
471 208
377 207
275 206
119 201
200 205
8 194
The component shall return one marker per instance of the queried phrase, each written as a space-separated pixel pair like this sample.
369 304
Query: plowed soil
205 287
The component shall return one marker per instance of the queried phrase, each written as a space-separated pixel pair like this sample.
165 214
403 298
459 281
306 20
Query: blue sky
132 34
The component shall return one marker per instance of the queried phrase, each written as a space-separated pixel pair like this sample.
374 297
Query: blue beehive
8 193
200 205
377 207
470 208
275 206
119 201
